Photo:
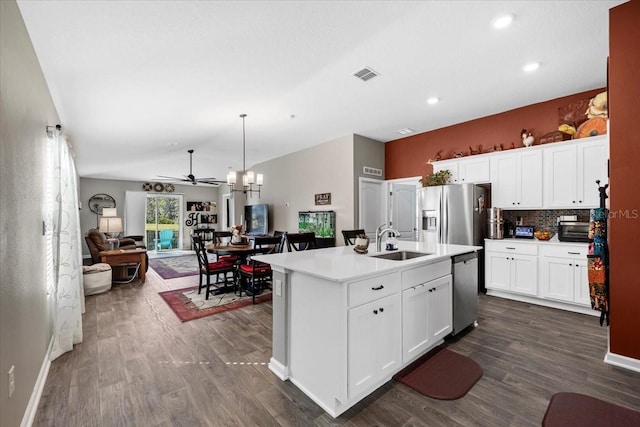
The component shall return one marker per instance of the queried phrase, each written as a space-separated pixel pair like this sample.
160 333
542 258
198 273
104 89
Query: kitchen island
345 323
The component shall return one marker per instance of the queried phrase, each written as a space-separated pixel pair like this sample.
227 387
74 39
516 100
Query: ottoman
96 278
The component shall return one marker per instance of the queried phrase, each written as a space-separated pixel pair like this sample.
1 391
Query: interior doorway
162 224
403 207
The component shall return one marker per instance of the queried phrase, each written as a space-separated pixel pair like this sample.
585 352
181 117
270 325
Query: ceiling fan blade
172 178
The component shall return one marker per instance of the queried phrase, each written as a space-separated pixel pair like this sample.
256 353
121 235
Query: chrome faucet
380 232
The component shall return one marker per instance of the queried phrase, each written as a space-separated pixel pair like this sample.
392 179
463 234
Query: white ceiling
138 83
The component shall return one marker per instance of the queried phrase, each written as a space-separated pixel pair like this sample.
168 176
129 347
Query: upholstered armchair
96 242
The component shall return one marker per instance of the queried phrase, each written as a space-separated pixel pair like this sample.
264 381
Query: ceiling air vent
366 74
367 170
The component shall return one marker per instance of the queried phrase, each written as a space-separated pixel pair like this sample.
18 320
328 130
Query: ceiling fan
191 178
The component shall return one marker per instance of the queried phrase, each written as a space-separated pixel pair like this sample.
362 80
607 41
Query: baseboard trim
279 369
622 361
36 394
543 302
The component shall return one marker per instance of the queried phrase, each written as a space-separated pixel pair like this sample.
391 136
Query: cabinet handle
570 264
508 247
381 309
377 288
579 201
512 259
573 253
574 201
375 311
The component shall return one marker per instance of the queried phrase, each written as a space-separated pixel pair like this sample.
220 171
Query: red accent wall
407 157
624 163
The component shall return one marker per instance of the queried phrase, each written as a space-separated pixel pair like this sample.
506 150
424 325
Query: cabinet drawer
426 273
564 251
373 288
511 247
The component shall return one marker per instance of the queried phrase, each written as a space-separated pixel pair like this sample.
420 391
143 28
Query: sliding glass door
163 219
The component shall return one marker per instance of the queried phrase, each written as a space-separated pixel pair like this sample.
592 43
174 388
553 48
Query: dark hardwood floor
140 366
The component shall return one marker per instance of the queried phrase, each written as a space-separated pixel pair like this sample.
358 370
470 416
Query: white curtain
65 247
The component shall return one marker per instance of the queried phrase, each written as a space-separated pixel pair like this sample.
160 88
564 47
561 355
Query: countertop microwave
573 231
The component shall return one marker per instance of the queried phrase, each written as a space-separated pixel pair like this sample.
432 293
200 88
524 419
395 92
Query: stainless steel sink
401 255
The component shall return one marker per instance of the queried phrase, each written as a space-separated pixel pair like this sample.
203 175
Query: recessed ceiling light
405 131
532 66
433 100
502 21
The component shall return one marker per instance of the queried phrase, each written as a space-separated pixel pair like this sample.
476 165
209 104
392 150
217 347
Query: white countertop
553 240
342 263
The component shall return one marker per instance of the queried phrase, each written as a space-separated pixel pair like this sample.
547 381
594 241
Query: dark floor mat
573 409
441 374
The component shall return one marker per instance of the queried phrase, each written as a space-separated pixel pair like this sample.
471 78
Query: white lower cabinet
563 274
427 315
512 267
375 345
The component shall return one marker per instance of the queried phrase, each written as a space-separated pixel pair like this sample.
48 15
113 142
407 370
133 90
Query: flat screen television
256 219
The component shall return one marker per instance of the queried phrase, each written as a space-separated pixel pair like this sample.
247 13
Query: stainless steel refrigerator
454 214
457 214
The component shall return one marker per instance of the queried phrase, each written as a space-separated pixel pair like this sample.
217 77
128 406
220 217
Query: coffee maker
508 227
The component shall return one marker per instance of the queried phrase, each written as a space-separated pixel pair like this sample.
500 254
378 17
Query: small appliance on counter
495 223
573 231
523 231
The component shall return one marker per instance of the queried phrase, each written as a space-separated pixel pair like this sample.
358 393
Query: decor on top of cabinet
435 159
584 118
437 178
527 138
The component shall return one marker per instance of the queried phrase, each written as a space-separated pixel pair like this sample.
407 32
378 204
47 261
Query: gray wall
26 109
117 189
291 181
367 152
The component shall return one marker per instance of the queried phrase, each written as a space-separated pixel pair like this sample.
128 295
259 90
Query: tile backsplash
545 219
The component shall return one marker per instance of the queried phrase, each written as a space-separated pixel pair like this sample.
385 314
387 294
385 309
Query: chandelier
247 179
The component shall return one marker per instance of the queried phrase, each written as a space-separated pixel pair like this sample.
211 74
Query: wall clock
99 201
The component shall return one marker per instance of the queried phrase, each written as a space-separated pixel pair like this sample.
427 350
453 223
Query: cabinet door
560 165
581 283
503 181
524 274
557 281
474 170
498 271
374 342
451 165
592 165
440 308
415 321
530 184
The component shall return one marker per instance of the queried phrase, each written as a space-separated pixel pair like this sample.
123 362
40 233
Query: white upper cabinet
474 169
571 171
516 179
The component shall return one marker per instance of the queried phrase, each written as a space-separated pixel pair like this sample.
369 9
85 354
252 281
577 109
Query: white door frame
389 201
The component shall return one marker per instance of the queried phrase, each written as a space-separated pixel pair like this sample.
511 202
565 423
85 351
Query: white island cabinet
344 323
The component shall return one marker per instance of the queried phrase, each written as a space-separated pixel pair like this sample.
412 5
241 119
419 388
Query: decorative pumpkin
592 127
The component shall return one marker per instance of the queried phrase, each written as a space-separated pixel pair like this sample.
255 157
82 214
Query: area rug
175 266
573 409
187 304
441 374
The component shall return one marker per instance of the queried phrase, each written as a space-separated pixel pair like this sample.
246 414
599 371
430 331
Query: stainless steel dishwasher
465 291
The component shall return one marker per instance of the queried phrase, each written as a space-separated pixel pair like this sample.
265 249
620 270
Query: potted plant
437 178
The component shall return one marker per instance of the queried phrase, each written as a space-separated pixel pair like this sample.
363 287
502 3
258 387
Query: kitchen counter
342 263
553 240
344 323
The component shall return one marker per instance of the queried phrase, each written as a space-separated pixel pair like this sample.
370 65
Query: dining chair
216 269
221 237
255 276
351 235
300 241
